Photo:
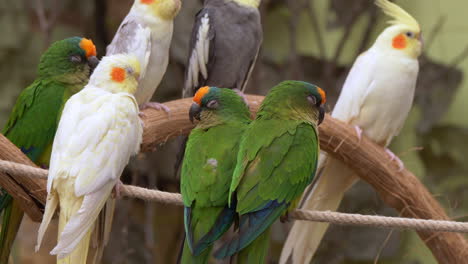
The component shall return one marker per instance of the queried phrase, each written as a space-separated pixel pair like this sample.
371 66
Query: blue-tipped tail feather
251 226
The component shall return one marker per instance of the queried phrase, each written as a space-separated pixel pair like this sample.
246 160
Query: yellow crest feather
400 16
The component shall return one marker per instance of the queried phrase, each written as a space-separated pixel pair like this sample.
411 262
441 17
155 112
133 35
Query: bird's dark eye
409 34
312 99
213 104
75 58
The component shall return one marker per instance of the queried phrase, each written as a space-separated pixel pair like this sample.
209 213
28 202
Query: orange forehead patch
147 2
399 42
118 74
88 46
322 94
200 93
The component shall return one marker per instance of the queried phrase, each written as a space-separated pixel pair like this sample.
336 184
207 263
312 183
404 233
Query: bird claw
116 192
241 94
358 133
393 157
141 114
157 106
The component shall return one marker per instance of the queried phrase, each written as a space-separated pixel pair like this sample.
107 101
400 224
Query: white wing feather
356 87
199 57
141 48
98 133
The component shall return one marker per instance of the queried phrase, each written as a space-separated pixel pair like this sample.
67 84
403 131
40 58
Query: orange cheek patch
88 46
200 93
399 42
322 94
118 74
147 2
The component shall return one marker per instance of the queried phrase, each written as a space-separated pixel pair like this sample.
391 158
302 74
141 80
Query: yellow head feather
400 16
117 73
250 3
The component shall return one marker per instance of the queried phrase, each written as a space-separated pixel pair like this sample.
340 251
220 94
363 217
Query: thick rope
148 195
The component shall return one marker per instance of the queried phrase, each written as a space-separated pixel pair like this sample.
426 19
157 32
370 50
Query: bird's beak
321 115
194 112
93 62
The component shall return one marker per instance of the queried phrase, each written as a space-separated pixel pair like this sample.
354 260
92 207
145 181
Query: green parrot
277 159
210 159
64 69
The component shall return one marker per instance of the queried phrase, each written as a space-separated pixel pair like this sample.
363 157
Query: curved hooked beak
194 112
93 62
321 115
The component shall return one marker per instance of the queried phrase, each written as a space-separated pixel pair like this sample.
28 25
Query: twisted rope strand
148 195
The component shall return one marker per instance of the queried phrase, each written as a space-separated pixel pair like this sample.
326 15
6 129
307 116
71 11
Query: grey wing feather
123 38
133 38
234 39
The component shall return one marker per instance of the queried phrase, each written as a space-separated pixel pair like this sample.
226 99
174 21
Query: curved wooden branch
400 190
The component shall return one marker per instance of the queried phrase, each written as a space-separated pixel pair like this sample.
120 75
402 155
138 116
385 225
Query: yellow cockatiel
376 97
97 134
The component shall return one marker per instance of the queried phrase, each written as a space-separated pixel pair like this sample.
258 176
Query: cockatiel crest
400 16
405 32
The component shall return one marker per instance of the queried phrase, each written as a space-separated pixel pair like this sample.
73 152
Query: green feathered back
210 159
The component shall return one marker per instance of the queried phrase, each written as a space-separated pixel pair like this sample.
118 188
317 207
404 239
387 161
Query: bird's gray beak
93 62
194 112
321 115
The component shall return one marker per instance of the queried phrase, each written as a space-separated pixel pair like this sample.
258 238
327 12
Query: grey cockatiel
226 38
157 16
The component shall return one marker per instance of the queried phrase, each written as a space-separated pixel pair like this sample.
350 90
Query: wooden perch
400 190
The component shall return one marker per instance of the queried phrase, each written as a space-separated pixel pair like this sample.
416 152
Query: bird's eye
409 34
213 104
75 58
312 99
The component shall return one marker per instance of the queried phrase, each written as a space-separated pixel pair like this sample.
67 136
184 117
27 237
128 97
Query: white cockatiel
376 98
157 16
97 134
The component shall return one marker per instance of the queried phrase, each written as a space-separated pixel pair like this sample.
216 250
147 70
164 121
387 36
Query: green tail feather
257 251
12 216
188 258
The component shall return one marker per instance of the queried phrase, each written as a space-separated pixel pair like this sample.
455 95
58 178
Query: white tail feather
80 223
51 205
326 195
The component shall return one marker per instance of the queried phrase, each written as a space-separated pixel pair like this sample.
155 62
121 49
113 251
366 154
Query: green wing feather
210 159
275 166
31 127
272 172
35 117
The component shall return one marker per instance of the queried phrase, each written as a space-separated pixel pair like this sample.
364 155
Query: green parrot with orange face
210 159
277 159
64 69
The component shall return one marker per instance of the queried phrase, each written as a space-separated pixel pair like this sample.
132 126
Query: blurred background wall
313 40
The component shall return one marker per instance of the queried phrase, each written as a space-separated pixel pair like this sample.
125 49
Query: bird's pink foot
141 114
393 157
241 94
155 105
117 190
358 133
